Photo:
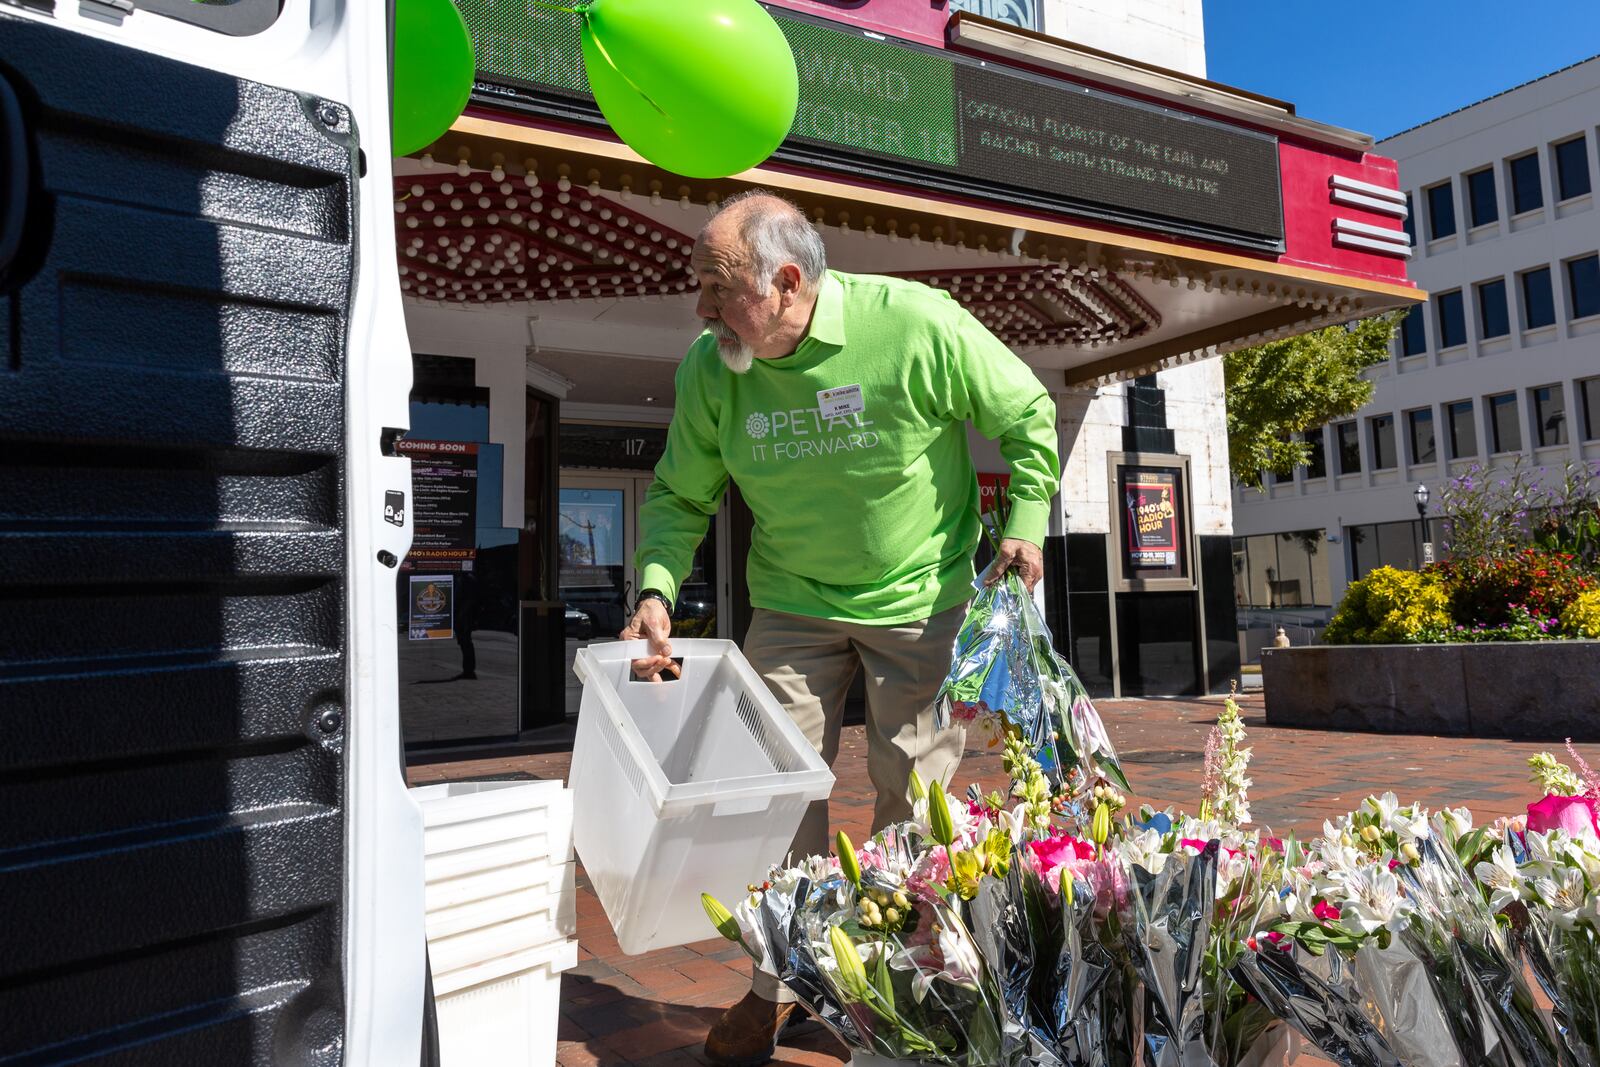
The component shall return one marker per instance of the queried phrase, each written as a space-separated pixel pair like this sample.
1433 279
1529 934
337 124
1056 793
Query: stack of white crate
501 914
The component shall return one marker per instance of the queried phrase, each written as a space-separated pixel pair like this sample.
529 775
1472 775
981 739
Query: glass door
597 534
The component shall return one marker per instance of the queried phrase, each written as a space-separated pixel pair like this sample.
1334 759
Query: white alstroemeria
1544 851
1456 823
1410 825
1383 808
1374 902
1014 822
1144 849
962 821
1564 893
1339 861
1501 875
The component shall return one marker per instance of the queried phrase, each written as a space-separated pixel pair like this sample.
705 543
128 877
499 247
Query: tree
1287 387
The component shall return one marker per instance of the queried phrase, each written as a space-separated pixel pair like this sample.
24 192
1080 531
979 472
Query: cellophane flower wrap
1006 674
877 954
1543 873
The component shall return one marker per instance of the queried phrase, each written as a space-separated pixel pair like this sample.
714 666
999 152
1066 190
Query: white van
207 852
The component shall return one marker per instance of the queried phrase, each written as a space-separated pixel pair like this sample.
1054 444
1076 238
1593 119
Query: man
838 403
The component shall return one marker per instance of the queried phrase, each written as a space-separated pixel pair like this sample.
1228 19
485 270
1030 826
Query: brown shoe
747 1033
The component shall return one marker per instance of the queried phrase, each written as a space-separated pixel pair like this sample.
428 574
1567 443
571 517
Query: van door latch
112 11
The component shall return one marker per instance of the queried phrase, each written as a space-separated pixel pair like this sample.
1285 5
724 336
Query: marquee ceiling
601 262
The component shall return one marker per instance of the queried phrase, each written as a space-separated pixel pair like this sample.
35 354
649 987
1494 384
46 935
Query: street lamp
1420 495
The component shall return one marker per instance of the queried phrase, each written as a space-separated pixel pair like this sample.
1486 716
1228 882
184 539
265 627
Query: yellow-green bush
1582 616
1391 607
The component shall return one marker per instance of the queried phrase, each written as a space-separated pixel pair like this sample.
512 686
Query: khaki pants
809 665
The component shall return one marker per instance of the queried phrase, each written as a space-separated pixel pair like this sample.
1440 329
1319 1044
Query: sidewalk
655 1009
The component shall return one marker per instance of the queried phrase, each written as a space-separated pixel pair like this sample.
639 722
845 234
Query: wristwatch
652 594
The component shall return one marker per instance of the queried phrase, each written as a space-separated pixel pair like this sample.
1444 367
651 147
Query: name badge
837 403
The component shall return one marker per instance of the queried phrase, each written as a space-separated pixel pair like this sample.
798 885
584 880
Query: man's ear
789 283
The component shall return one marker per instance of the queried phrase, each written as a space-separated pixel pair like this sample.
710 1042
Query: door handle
15 163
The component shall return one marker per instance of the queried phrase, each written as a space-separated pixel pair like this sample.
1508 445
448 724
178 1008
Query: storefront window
457 589
1282 570
1384 544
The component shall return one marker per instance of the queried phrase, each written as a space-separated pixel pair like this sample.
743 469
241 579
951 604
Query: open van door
207 853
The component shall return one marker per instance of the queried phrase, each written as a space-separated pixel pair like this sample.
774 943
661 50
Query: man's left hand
1018 555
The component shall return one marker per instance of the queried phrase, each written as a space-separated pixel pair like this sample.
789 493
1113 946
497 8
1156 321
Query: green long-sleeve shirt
865 499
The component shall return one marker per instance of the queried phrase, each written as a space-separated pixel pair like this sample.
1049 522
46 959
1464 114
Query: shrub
1582 617
1390 607
1483 590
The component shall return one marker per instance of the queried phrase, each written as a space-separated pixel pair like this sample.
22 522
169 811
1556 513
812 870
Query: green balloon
703 88
433 71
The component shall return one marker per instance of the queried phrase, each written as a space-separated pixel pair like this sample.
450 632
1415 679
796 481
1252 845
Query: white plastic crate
497 868
503 1012
683 787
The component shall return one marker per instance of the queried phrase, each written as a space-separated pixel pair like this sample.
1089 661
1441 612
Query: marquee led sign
919 115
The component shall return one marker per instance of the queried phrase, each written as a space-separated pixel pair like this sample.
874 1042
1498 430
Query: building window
1572 168
1419 424
1024 13
1589 397
1452 319
1383 457
1413 334
1349 448
1583 282
1526 195
1441 212
1538 300
1481 204
1549 416
1493 321
1317 461
1507 435
1410 223
1463 432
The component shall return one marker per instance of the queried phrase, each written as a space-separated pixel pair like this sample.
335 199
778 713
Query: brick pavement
655 1009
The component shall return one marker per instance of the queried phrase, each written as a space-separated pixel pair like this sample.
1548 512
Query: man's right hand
651 622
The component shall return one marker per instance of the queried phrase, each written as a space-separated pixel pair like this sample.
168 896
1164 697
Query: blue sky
1383 67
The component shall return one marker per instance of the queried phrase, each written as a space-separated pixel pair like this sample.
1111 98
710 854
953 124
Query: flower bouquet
1545 876
1007 678
875 952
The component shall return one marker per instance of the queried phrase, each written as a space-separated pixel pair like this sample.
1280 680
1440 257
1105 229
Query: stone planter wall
1539 690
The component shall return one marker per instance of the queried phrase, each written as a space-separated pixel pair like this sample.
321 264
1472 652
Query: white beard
736 355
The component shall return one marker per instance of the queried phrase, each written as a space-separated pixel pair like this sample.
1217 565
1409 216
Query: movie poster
1152 537
433 607
444 506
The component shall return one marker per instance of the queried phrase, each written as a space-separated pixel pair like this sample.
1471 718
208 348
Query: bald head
763 232
760 264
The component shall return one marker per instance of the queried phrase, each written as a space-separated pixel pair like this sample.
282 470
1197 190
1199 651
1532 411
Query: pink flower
1279 940
976 810
1325 911
1193 844
1575 815
933 870
1054 852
